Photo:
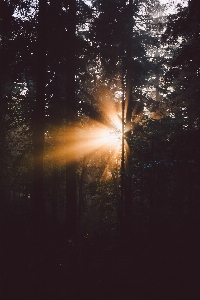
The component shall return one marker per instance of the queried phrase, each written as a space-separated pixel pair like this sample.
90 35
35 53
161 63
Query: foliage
183 74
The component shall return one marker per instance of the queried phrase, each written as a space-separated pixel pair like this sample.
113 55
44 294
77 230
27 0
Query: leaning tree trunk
71 209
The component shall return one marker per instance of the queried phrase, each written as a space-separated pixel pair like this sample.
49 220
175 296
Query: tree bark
38 144
71 205
120 207
38 130
128 107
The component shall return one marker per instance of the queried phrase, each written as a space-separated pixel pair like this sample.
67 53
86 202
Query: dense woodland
99 149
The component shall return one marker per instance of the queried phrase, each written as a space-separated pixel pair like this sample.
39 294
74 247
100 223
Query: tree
38 137
122 46
17 77
182 34
183 74
71 197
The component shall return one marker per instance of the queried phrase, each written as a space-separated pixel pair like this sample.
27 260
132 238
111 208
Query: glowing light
73 142
100 140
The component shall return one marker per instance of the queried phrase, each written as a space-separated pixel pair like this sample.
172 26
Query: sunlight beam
71 144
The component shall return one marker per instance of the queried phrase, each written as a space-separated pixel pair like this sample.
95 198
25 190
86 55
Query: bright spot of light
72 143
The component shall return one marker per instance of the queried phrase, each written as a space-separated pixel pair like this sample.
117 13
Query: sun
73 142
91 138
99 136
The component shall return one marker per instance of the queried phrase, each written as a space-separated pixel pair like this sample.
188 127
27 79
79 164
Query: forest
99 149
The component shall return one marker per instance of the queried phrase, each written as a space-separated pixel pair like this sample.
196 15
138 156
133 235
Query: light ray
91 138
71 144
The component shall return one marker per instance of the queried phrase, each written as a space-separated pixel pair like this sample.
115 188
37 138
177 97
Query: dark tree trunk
80 192
54 194
80 200
120 208
71 206
38 143
128 160
38 133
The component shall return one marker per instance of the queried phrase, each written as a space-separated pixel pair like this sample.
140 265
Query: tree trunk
120 206
128 107
54 194
38 144
80 192
38 131
71 206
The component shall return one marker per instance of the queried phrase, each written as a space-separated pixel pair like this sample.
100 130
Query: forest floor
100 269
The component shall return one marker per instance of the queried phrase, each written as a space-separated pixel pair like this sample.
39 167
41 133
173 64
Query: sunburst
74 142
